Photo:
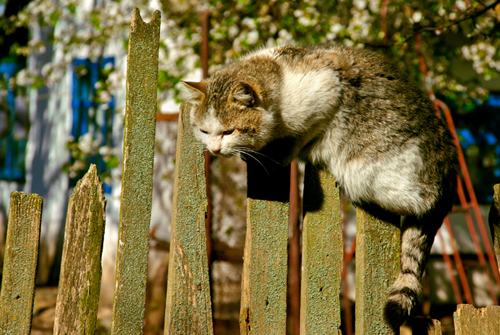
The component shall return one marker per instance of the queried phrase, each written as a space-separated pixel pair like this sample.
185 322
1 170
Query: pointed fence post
378 248
322 255
264 278
80 280
189 309
137 179
19 269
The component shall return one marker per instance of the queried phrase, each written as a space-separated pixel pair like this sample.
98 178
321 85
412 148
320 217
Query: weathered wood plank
435 328
19 268
137 178
80 279
189 309
494 221
469 320
263 285
378 248
322 255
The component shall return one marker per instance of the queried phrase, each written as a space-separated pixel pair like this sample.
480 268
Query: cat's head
229 117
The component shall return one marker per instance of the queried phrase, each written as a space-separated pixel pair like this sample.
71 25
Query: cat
352 112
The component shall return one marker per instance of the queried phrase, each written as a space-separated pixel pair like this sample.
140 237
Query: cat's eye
203 131
228 132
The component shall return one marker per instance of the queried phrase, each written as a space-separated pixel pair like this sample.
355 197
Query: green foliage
460 40
452 31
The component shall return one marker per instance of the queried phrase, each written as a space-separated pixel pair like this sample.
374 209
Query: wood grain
378 248
469 320
322 254
188 308
80 279
20 262
264 279
137 177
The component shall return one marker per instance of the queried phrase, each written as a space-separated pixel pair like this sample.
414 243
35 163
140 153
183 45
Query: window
14 121
93 112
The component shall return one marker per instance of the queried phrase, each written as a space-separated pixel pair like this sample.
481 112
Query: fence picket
322 254
469 320
137 179
189 309
377 266
264 279
494 221
19 269
80 279
435 329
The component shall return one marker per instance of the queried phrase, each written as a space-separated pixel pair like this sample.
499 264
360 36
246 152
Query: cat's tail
417 236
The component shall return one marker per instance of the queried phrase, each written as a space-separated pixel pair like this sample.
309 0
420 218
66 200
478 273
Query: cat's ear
193 92
245 94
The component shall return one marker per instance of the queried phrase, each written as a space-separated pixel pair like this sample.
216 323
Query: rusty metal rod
477 246
449 268
458 262
345 287
472 194
294 249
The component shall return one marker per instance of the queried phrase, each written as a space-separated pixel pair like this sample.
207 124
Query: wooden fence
188 309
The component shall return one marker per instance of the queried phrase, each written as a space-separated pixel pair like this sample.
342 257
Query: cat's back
325 58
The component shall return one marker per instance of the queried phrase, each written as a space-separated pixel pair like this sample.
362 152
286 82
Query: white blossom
417 16
252 37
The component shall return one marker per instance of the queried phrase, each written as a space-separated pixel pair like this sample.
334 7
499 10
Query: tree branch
452 23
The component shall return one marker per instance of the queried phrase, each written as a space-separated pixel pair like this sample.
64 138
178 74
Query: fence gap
264 278
378 248
137 178
20 262
189 309
469 320
80 279
494 221
426 326
322 255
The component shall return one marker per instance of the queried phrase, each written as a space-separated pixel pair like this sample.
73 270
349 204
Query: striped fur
352 112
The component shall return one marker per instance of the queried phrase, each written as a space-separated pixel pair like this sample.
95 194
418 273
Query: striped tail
416 242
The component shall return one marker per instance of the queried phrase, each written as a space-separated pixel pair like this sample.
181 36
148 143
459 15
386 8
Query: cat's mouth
224 154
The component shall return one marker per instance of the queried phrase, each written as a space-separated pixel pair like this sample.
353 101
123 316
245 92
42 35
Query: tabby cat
350 111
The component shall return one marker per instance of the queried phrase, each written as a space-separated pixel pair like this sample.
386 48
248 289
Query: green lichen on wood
137 178
188 308
378 248
469 320
494 221
322 255
80 279
20 261
263 301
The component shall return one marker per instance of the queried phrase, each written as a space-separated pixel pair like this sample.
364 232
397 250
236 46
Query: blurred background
62 96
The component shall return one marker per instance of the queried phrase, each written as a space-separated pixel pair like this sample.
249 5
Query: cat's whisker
258 153
250 155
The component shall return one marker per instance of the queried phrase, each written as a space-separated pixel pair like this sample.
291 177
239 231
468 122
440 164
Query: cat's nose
215 150
214 145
